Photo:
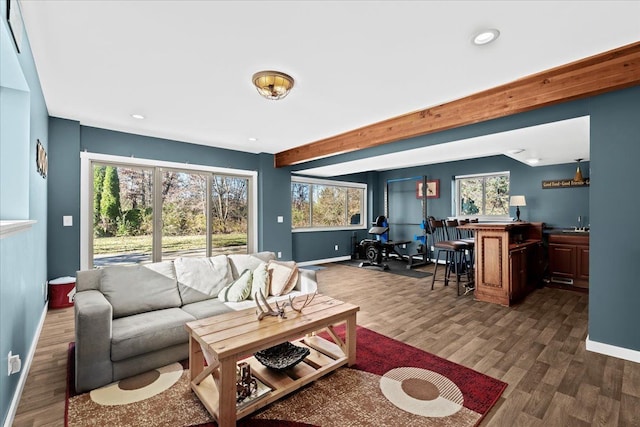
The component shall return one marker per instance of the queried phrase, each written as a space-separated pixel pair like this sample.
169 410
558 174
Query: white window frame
332 183
482 218
86 208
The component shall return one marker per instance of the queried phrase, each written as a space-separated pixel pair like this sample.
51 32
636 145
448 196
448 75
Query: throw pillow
202 278
260 281
283 276
238 290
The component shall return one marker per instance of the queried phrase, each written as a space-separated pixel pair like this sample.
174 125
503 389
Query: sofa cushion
242 262
201 278
283 277
146 332
137 289
206 308
238 290
260 281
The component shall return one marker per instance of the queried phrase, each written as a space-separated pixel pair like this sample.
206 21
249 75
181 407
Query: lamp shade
517 201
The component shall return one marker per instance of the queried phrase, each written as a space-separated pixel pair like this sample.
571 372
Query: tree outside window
326 204
486 195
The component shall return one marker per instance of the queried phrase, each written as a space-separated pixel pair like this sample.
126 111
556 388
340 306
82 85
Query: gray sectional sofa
130 319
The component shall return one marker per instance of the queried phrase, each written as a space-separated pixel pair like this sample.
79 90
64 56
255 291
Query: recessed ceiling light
252 139
485 36
533 161
137 116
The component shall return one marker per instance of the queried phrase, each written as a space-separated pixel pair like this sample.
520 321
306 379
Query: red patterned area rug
392 383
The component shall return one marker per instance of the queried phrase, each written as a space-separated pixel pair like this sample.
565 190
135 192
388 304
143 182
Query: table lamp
517 201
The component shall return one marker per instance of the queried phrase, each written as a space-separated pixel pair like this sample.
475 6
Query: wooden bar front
508 260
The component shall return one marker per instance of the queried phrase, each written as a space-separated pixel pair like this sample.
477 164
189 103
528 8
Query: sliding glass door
184 214
122 214
147 214
230 214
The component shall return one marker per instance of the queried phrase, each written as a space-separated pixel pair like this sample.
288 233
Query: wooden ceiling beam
616 69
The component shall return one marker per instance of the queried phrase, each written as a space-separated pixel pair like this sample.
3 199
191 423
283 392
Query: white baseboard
612 350
326 260
26 366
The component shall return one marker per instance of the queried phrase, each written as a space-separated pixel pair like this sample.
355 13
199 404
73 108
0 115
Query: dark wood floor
537 347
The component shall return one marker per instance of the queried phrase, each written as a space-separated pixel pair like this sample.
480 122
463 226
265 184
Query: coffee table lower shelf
325 356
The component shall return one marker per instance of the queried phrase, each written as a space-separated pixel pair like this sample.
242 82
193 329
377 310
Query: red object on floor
61 292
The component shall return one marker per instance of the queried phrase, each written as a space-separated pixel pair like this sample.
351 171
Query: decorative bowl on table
282 356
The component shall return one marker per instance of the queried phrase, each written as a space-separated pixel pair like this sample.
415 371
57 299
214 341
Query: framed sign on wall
42 161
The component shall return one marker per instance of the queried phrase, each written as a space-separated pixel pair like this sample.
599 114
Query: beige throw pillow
238 290
283 276
260 281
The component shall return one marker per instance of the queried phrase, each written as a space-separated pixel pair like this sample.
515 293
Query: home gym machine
380 248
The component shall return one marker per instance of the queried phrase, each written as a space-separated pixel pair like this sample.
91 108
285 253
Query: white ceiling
187 65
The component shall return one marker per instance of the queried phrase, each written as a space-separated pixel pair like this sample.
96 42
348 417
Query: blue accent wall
63 244
614 294
274 200
23 259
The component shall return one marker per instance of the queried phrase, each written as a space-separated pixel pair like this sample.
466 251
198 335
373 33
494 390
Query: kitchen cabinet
569 258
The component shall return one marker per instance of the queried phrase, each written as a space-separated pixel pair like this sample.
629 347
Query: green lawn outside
142 244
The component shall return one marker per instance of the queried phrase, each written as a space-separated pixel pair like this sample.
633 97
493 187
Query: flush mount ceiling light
272 84
252 139
137 116
485 36
533 161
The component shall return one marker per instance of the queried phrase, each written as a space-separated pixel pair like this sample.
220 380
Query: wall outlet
279 254
335 247
280 218
14 364
67 221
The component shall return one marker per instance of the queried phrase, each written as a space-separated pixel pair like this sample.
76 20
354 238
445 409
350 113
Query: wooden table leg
227 393
350 338
196 359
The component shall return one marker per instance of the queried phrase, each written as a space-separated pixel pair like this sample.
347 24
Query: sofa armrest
307 281
93 317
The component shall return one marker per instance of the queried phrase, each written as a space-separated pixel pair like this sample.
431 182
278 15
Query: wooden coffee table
230 337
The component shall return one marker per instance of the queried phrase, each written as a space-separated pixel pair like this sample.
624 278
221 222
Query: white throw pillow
238 290
260 281
283 276
201 278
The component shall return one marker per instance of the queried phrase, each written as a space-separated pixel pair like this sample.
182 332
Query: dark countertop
566 231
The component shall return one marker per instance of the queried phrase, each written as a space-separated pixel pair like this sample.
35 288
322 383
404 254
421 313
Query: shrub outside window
323 204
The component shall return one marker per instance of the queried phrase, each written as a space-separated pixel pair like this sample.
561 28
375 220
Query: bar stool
467 258
453 249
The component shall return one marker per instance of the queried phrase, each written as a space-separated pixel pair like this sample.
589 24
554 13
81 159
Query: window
141 211
322 204
483 195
